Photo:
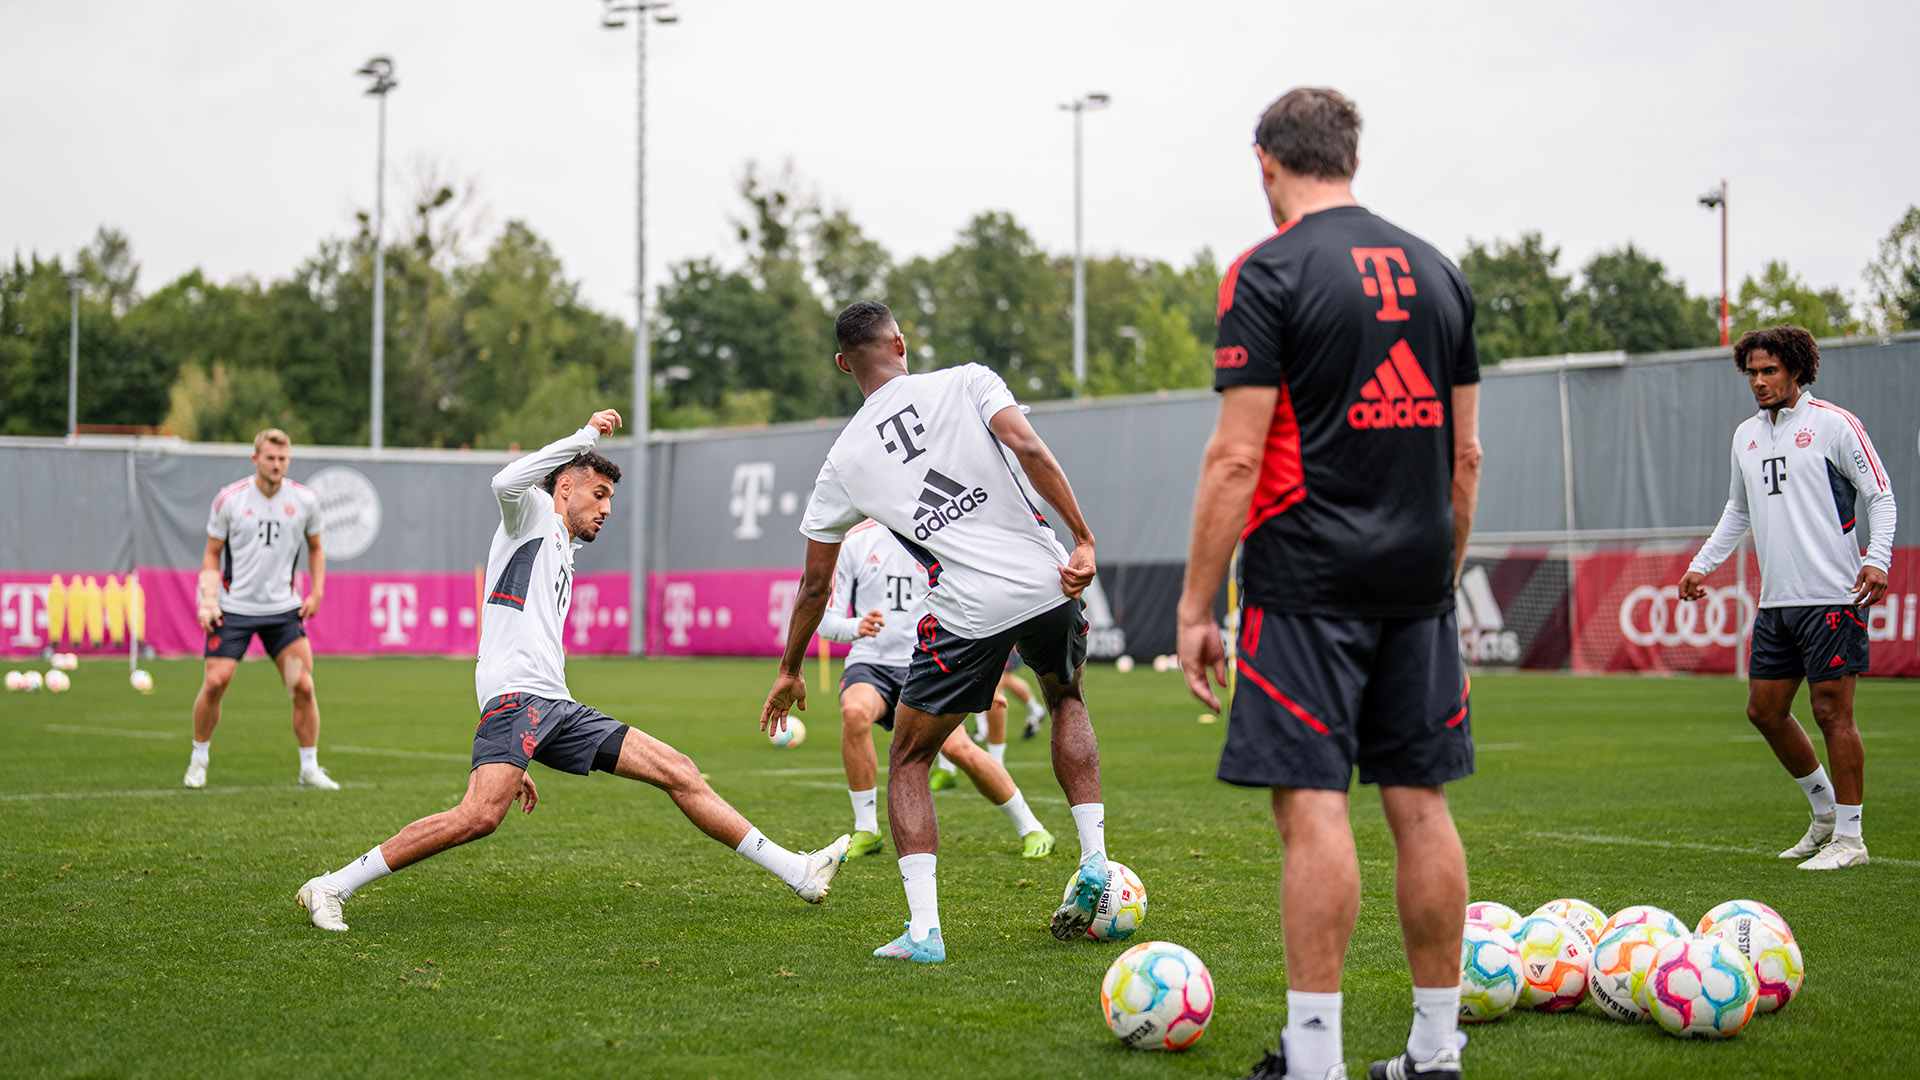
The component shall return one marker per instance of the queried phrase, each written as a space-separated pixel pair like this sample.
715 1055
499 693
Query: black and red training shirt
1366 330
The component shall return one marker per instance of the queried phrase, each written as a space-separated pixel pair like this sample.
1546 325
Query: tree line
498 348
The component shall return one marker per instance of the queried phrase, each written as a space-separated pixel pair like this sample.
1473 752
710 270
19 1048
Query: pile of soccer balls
54 681
1640 964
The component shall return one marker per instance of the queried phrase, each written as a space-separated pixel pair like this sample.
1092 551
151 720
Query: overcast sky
232 135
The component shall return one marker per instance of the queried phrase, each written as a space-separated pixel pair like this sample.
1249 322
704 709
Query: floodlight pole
640 422
1717 199
1077 107
380 69
73 359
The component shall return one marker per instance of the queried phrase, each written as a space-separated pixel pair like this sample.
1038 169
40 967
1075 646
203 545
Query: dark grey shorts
886 680
1819 643
952 674
563 735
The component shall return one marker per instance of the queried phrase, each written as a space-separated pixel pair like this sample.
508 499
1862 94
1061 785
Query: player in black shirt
1346 460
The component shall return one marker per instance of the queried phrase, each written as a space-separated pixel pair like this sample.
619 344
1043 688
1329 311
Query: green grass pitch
151 931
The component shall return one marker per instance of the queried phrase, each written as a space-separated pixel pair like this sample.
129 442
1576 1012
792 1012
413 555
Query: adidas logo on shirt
942 501
1398 395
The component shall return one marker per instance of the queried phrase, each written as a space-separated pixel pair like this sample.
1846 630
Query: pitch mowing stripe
1729 849
156 793
125 733
841 770
421 755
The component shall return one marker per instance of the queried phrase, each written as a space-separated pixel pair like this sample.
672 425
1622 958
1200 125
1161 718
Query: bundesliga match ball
1157 996
1495 914
16 680
1579 914
1554 958
1777 964
1617 975
57 681
1721 912
141 680
1489 973
1645 915
1122 907
794 734
31 681
1701 987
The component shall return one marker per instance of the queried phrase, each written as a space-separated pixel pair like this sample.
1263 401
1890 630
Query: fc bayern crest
1803 438
349 511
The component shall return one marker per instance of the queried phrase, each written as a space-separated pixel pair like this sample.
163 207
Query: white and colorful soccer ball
1122 907
58 681
1579 914
64 661
1123 663
1778 965
1617 975
1720 912
793 734
1701 987
1157 996
16 680
33 681
1490 979
1645 915
1494 913
1554 958
141 680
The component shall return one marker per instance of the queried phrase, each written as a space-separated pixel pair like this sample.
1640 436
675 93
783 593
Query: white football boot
322 900
1818 833
1840 852
821 866
196 774
317 777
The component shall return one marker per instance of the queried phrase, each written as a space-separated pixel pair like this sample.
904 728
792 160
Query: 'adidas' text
943 501
1398 396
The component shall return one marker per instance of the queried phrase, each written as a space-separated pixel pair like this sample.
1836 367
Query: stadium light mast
640 421
1078 107
73 357
1712 200
380 70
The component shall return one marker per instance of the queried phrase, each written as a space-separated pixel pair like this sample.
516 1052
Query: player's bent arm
837 627
1229 473
1010 426
1466 468
512 483
317 578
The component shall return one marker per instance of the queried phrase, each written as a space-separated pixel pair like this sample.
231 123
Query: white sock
1034 711
771 857
923 894
999 751
201 752
309 758
364 870
1311 1041
866 815
1846 821
1819 791
1090 818
1016 810
1436 1017
940 762
980 725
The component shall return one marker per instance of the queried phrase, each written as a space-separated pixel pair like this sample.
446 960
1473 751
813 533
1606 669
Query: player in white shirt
1801 467
552 501
876 573
924 458
255 534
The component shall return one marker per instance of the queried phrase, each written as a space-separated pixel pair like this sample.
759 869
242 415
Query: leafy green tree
124 378
994 298
1894 276
1523 308
1630 300
1779 296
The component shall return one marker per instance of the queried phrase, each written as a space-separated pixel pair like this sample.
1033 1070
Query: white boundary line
156 793
125 733
421 755
1684 845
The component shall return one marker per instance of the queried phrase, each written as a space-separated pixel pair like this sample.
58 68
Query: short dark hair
589 461
1312 131
1789 344
862 322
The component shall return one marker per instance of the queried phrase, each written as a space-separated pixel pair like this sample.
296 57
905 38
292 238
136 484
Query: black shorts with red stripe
951 674
1317 696
1818 643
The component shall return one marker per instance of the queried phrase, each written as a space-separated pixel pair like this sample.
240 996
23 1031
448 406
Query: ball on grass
793 734
1123 663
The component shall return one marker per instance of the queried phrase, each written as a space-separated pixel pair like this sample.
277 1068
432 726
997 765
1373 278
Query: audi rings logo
1655 615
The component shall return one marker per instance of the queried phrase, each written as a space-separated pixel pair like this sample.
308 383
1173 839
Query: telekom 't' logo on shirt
1376 266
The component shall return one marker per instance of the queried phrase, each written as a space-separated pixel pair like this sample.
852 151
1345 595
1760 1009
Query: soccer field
151 931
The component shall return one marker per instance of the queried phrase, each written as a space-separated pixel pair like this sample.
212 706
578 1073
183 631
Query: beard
581 528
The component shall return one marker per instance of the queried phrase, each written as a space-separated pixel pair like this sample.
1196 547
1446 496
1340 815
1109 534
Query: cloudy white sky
232 135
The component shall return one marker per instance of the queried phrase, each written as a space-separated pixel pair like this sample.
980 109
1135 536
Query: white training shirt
919 459
1798 478
529 580
875 574
265 536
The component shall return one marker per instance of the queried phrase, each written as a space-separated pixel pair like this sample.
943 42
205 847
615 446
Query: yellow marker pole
56 610
826 663
1233 620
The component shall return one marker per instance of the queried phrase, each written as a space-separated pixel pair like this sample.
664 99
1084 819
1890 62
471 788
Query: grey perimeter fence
1601 472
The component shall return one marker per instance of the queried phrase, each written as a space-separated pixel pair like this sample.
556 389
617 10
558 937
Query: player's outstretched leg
491 789
1076 764
993 781
206 716
860 706
917 737
808 874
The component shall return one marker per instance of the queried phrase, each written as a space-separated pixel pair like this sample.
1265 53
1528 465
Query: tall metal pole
1723 262
73 360
642 365
1079 269
380 69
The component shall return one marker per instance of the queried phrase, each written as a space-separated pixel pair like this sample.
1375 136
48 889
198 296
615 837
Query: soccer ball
1645 915
794 734
1701 987
1579 914
1721 912
1122 907
141 680
1489 973
1617 975
1123 663
1553 962
1494 914
1777 963
57 681
65 661
1157 996
32 681
16 680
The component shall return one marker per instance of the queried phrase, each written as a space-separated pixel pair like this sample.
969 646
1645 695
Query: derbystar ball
1728 910
1579 914
1122 907
1157 996
1553 960
794 734
1617 974
1494 913
1777 963
1701 987
141 680
57 681
1645 915
1490 979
